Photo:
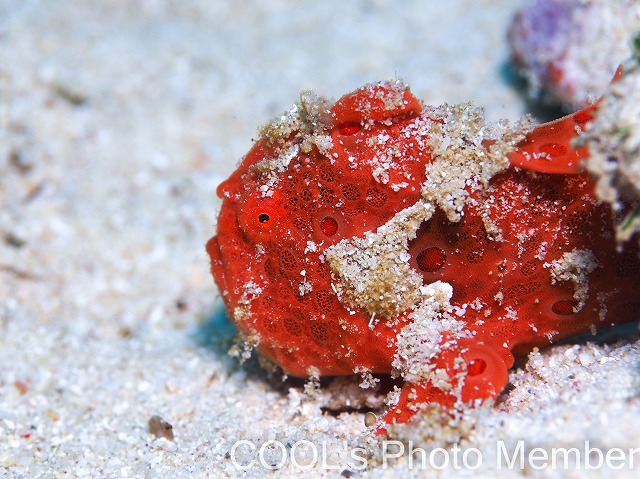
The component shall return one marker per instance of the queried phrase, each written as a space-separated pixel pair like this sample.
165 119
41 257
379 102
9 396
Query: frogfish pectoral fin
466 374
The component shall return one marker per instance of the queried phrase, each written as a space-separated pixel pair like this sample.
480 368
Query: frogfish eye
349 129
262 219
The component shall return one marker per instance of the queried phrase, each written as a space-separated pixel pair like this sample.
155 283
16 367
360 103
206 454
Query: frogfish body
380 235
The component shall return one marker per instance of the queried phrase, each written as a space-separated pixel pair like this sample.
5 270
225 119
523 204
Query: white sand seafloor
117 121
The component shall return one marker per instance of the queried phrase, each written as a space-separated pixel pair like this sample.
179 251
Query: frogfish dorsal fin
547 149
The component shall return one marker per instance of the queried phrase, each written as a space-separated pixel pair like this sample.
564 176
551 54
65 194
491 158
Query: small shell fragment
160 428
370 419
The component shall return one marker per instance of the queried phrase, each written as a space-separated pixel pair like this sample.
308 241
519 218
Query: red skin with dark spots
543 205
